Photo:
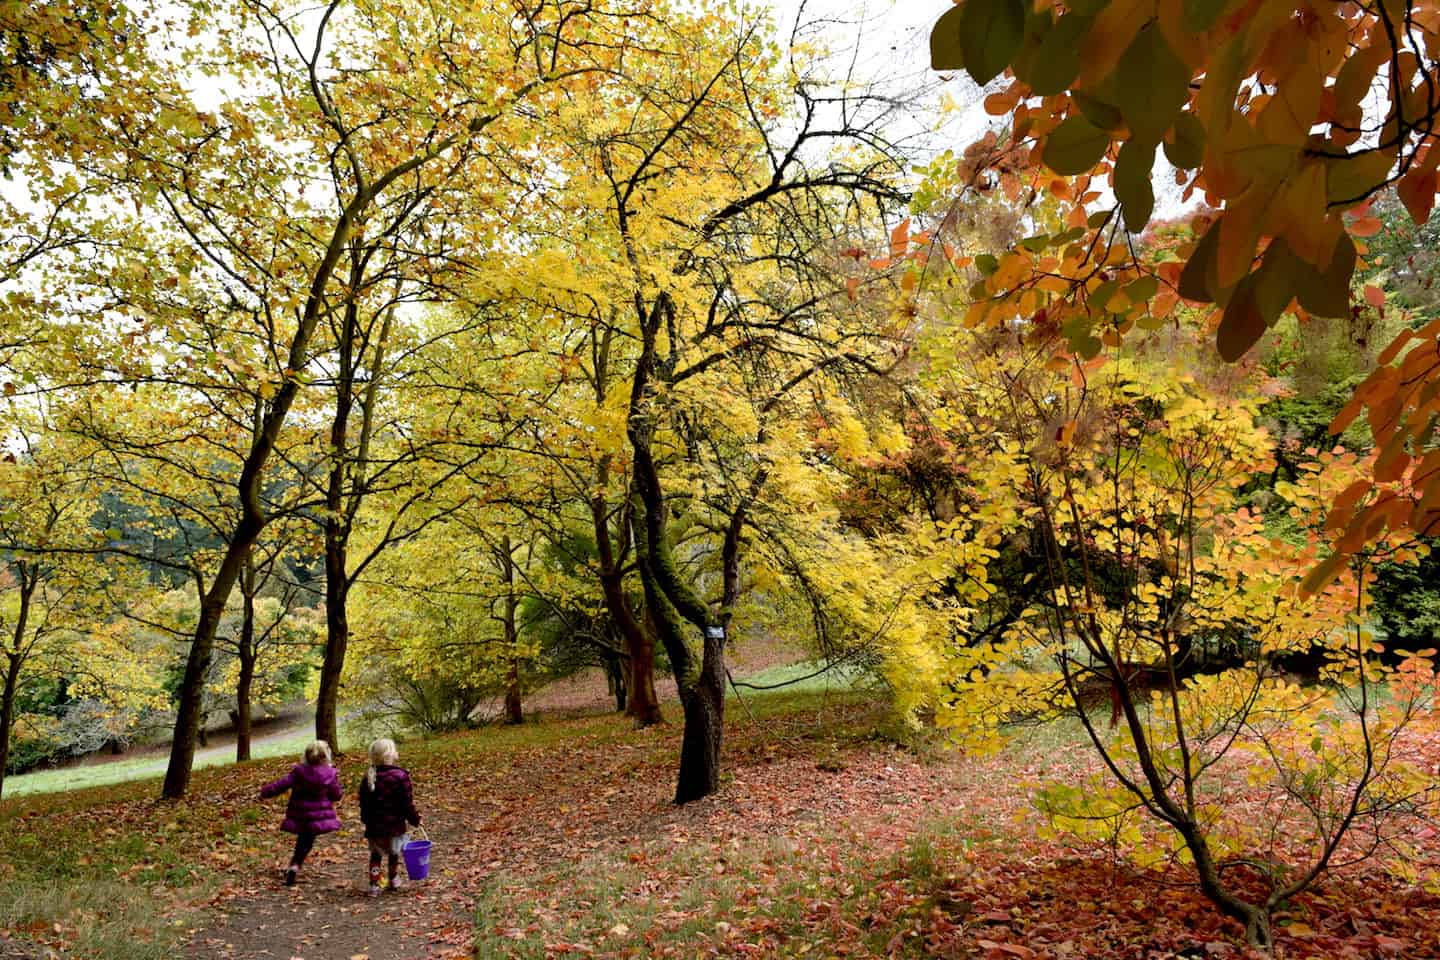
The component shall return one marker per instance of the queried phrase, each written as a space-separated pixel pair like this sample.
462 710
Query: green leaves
1258 301
1075 146
1354 178
1186 148
1276 280
1132 183
1152 84
990 36
1326 293
1242 324
946 52
1199 281
1057 61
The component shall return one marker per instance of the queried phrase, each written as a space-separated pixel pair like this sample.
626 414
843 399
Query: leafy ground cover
556 840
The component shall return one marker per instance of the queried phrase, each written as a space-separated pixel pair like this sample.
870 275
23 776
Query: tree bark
644 705
644 702
616 680
246 653
337 638
671 602
704 704
7 712
202 648
513 712
252 516
14 660
337 533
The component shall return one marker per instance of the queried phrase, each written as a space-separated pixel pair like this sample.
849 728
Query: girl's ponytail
382 753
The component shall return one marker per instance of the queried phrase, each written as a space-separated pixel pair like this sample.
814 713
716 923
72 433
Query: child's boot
290 874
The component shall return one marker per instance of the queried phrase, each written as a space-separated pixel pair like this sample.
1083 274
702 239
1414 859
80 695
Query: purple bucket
417 859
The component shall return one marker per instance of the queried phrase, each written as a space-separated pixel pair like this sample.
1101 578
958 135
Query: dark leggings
375 858
303 843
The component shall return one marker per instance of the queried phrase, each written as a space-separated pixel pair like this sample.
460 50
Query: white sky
890 40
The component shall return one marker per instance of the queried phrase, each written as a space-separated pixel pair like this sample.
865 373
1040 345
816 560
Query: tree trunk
197 664
615 680
341 506
671 602
15 659
246 681
268 425
7 712
644 705
513 712
337 637
247 655
704 704
506 556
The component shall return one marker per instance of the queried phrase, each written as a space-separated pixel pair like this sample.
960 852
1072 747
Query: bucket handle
423 835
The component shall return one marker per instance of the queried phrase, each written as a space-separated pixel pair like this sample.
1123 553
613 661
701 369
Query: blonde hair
382 754
317 753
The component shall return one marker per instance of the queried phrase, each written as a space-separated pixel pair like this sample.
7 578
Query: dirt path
515 819
329 914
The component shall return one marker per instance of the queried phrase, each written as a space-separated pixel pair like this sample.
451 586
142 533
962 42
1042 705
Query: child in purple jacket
387 803
314 787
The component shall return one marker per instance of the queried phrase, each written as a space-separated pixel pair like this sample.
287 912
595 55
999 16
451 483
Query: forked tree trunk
189 714
643 704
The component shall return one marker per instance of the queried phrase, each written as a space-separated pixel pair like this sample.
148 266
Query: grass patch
145 768
810 676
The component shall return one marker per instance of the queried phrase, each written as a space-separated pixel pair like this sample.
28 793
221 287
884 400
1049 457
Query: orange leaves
1366 227
999 104
900 239
1294 107
1417 191
1301 217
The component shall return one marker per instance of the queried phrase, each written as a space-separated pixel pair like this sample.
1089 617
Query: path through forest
518 817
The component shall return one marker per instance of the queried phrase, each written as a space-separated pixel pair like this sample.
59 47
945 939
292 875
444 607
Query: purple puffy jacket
390 805
313 792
